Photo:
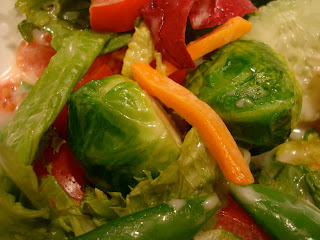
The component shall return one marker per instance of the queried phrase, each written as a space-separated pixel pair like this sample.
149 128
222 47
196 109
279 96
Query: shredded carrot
211 128
233 29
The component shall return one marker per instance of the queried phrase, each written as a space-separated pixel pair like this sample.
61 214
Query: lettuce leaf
62 19
293 167
194 173
141 48
22 209
41 12
305 151
51 92
30 209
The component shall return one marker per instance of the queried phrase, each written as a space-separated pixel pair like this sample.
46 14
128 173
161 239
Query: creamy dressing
177 204
10 73
9 35
10 38
210 203
11 76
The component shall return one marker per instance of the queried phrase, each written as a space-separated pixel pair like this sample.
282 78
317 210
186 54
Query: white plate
9 34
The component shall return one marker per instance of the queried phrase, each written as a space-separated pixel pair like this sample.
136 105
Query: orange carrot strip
233 29
211 128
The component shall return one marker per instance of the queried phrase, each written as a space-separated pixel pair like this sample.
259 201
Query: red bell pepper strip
210 13
167 20
236 220
65 168
115 15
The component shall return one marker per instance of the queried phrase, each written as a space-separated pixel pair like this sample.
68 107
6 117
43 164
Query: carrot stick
211 128
233 29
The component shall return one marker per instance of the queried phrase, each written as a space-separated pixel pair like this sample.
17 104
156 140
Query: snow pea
177 219
282 215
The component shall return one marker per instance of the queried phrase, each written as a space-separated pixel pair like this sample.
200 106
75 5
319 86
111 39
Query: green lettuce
23 211
51 92
216 234
194 173
292 168
32 209
62 19
40 13
141 48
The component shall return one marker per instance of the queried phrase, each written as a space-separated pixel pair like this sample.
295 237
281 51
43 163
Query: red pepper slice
115 15
236 220
167 20
210 13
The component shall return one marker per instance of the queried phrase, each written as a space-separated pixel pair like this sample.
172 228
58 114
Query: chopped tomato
33 58
99 69
115 15
236 220
65 168
115 60
61 122
8 98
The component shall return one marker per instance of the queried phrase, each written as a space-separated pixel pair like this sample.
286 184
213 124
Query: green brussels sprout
253 90
116 133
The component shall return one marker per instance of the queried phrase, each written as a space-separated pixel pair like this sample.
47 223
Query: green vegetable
63 19
40 12
259 3
116 133
177 219
282 215
117 42
253 90
217 234
193 174
36 209
141 48
51 92
293 167
304 151
295 35
288 178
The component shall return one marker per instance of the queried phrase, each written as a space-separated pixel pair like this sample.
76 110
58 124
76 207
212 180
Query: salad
157 119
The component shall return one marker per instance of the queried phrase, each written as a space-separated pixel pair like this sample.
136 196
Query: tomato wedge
115 15
34 57
98 70
65 168
8 100
236 220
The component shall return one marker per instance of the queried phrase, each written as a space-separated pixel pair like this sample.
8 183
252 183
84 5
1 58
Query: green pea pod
177 219
282 215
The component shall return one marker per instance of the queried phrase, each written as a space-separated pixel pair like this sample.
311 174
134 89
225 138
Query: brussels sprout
116 133
253 90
